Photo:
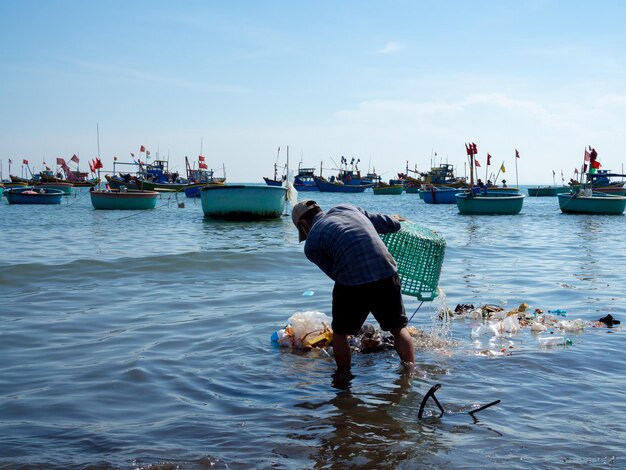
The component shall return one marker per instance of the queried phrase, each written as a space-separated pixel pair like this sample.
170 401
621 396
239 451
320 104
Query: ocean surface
142 340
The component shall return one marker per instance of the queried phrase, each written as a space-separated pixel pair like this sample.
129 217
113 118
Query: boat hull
67 188
547 191
131 199
392 189
328 187
493 204
598 203
439 195
160 187
243 202
26 195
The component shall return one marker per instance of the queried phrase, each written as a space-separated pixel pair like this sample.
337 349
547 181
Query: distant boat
439 195
121 180
470 203
542 191
29 195
123 199
243 202
326 186
156 177
199 178
388 188
67 188
305 179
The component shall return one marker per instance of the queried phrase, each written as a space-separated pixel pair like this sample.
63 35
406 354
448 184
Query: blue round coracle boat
29 195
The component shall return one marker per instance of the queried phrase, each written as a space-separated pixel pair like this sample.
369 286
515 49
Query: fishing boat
326 186
156 177
200 177
30 195
590 202
542 191
123 199
121 180
478 203
14 184
484 200
305 179
602 183
386 188
243 202
63 186
439 195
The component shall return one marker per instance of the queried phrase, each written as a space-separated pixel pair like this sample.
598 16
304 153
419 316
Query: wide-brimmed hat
299 210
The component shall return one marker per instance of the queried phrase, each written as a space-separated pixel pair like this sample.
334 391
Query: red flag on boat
91 167
575 171
595 164
74 159
587 155
98 163
24 162
142 149
477 163
467 149
585 168
60 161
200 158
474 149
488 159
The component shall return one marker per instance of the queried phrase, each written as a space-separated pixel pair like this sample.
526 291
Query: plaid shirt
344 243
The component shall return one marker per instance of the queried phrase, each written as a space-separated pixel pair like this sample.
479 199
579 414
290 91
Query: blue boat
326 186
305 179
436 195
243 202
29 195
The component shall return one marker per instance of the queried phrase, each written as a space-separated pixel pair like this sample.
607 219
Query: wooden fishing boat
243 202
15 184
121 181
123 199
155 176
323 185
471 203
198 178
384 188
591 202
439 195
29 195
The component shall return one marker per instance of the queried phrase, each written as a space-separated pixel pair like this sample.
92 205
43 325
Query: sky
390 84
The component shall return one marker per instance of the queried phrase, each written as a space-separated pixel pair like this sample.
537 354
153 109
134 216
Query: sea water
142 340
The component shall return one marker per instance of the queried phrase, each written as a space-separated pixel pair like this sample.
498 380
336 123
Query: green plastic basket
418 251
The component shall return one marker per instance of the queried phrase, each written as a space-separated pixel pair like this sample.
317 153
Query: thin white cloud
389 48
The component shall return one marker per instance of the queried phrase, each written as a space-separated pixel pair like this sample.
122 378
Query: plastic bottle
554 341
559 312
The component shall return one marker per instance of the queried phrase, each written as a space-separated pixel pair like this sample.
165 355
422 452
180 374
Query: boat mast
98 140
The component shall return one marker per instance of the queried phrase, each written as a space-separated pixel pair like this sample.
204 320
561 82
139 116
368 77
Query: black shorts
352 305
